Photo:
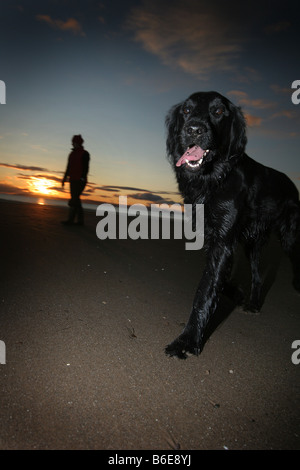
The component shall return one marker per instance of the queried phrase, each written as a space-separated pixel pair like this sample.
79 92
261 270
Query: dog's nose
194 130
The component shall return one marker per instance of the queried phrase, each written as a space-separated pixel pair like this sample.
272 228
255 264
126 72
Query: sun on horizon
42 186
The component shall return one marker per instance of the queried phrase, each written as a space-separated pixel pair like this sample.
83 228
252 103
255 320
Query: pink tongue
194 153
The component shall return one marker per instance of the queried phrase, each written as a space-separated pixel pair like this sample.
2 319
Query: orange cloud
244 100
281 90
237 94
285 113
70 25
253 121
16 166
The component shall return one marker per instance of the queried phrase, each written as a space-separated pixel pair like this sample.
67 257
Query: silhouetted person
77 170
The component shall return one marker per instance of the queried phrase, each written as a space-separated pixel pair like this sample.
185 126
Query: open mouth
193 157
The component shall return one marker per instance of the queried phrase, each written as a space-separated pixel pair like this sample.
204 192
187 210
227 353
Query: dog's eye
219 111
186 110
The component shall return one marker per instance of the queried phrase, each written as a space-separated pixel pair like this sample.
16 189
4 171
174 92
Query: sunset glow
111 71
42 186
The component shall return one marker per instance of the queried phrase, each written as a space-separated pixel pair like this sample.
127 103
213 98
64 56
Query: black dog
243 202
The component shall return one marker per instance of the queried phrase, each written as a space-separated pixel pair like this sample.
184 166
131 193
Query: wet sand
85 323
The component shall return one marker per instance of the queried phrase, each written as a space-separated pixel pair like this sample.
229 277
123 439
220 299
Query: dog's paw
182 346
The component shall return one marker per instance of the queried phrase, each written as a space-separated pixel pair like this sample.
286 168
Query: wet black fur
243 202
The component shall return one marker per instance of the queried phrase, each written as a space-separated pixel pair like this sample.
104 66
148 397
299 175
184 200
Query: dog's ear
238 137
173 126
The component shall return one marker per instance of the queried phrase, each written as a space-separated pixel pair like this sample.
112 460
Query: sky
111 70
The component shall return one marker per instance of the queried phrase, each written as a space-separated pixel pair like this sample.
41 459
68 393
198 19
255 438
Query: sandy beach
85 323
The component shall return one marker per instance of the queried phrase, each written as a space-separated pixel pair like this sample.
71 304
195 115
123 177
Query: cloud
11 189
133 188
182 35
142 194
285 113
59 189
253 121
281 90
148 197
70 25
243 100
119 188
16 166
247 75
238 94
35 177
45 177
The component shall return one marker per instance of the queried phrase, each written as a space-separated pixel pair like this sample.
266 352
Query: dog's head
203 130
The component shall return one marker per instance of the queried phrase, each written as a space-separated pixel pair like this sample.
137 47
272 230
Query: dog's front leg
205 302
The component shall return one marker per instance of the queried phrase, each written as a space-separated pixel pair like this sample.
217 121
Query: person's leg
80 214
71 204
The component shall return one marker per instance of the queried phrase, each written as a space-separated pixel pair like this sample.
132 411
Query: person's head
77 141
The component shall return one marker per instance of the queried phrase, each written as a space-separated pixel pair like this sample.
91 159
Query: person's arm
85 165
66 173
